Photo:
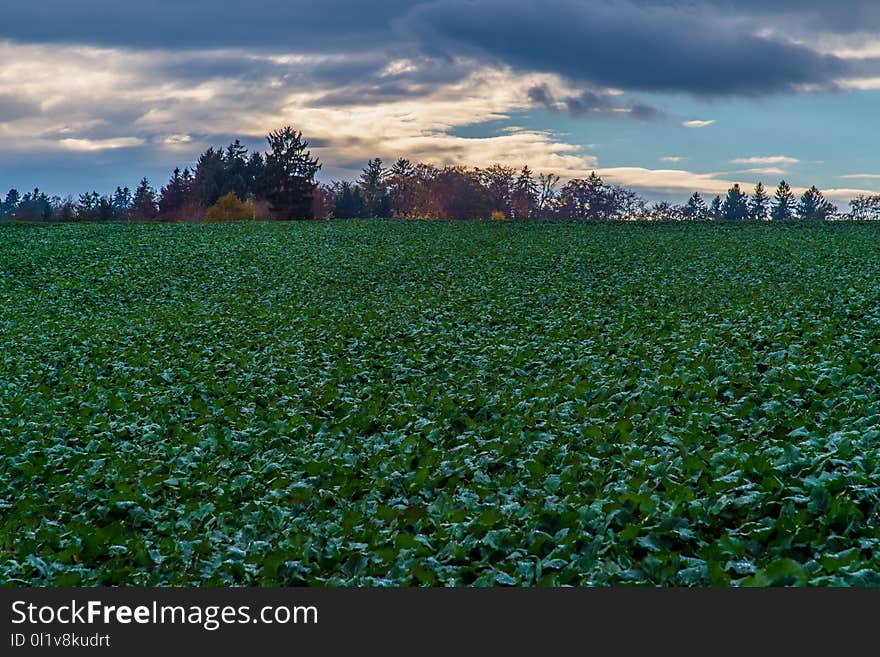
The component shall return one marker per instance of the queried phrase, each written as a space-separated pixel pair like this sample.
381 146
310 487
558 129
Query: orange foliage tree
230 208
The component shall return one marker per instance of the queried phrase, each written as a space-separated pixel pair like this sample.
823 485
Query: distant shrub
230 208
497 215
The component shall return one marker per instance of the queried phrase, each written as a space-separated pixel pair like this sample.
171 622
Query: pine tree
10 203
783 204
813 206
121 201
235 170
759 205
349 203
210 177
715 208
696 208
374 190
143 203
525 195
289 175
403 186
173 196
735 206
87 206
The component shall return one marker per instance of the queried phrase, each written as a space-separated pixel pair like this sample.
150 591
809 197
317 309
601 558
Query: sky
663 97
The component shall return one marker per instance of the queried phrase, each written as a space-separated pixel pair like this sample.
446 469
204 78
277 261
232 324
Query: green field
433 403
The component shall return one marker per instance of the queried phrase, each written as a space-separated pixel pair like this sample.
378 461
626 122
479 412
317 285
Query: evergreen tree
143 203
759 204
173 196
9 205
349 202
235 171
525 195
255 170
34 206
289 175
104 210
210 177
374 190
403 185
783 203
121 200
715 209
87 206
696 208
735 206
813 206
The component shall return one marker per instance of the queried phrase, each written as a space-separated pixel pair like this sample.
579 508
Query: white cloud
843 196
670 181
863 176
174 140
765 171
672 158
767 159
698 123
89 145
85 97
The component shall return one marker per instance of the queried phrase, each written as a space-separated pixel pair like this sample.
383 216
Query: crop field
434 403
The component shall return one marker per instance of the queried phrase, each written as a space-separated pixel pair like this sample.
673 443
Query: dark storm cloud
703 47
658 49
297 25
842 16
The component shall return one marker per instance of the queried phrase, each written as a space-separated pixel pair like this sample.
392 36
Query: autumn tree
548 189
499 181
458 194
587 199
230 208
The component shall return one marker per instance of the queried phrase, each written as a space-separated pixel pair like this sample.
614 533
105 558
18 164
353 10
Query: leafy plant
417 403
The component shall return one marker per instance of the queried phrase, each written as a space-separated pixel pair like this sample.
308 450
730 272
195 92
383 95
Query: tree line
230 183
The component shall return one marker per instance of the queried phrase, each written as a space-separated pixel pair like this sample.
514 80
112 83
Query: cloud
769 159
141 86
590 101
624 45
672 159
90 145
863 176
100 100
669 181
765 171
704 48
